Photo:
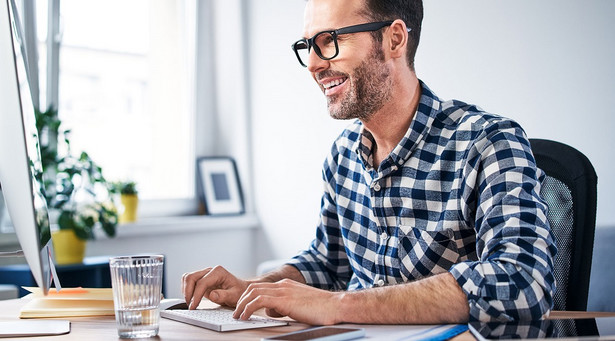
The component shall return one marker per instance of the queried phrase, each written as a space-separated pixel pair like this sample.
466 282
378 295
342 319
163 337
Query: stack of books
68 302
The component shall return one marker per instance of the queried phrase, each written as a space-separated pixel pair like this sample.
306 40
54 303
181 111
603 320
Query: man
431 211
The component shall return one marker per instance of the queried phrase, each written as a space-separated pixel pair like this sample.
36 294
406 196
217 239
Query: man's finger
212 280
189 282
252 294
259 302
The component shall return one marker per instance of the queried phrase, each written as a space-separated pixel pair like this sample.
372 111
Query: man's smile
332 86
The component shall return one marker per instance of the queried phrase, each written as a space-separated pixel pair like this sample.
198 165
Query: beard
369 90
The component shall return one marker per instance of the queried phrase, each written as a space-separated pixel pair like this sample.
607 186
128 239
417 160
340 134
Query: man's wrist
284 272
346 307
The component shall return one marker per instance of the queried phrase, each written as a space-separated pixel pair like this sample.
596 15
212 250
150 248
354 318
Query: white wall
188 243
548 64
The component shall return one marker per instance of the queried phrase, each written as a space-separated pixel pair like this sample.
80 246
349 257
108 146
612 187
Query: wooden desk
103 327
579 314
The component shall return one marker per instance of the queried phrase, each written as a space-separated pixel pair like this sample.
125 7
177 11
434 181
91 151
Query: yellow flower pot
67 247
130 203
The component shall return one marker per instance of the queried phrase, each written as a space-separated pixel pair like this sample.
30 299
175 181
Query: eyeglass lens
326 47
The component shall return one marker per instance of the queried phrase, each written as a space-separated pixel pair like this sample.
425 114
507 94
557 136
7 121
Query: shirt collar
429 106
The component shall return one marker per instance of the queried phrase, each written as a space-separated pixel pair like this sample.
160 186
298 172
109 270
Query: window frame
148 208
216 97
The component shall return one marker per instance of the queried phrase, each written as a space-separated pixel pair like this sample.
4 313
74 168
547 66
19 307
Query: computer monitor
20 162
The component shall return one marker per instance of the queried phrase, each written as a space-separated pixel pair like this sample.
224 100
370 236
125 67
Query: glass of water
137 288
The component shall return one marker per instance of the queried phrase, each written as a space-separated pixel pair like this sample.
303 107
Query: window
126 85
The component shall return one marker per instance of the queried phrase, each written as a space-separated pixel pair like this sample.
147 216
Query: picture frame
218 186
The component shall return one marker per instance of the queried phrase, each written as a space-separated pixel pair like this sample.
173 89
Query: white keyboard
219 319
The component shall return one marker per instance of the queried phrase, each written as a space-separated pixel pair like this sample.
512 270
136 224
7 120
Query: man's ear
397 36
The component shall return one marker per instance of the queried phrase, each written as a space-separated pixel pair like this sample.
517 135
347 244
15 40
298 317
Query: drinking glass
137 288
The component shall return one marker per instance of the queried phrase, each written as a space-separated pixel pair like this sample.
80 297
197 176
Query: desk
103 327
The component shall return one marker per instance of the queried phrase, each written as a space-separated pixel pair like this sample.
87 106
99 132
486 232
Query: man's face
356 82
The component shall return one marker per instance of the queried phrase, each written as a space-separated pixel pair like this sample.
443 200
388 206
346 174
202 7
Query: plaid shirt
459 193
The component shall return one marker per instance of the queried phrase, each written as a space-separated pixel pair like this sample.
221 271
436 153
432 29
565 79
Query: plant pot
130 203
67 247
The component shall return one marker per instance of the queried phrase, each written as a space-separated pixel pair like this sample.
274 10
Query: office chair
570 193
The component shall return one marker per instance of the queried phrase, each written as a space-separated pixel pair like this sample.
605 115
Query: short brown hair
410 11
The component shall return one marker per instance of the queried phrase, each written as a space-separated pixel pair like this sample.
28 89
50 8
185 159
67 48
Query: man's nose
315 63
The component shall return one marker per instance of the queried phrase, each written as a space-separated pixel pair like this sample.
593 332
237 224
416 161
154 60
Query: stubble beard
370 89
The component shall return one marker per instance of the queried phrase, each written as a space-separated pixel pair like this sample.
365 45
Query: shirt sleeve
325 264
513 277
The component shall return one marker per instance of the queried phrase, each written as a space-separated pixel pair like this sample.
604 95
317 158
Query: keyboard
219 319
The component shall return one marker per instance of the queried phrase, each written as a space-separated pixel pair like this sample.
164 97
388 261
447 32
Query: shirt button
380 282
384 236
376 187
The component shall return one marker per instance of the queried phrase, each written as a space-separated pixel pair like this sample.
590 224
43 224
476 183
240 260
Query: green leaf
89 222
65 221
83 233
109 229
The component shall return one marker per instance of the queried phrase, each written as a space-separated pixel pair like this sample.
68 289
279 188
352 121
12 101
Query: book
68 302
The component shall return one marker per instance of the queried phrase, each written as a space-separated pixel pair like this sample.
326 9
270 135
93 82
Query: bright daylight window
126 90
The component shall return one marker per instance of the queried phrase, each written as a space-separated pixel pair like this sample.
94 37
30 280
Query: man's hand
216 284
293 299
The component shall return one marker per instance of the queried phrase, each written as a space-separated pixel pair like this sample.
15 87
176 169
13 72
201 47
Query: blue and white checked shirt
459 193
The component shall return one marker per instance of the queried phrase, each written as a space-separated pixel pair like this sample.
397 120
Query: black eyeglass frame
310 42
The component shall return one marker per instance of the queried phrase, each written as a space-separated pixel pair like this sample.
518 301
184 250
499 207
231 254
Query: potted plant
129 197
76 192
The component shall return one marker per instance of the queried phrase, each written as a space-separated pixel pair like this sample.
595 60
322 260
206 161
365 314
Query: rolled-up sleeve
513 276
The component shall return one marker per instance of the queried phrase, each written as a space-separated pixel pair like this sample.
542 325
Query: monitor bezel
15 172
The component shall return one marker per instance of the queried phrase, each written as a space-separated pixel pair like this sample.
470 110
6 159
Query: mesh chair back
560 215
570 193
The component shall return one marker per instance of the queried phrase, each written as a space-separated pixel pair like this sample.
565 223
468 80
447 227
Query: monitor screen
20 162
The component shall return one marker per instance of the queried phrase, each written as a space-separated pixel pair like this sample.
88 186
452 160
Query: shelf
167 225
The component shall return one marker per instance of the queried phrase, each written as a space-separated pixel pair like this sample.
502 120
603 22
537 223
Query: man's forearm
283 272
437 299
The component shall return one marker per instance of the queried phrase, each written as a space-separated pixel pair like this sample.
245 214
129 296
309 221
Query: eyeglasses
325 43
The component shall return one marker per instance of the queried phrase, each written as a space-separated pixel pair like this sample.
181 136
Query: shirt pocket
423 253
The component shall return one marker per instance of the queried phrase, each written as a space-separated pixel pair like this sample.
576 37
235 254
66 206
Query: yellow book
68 302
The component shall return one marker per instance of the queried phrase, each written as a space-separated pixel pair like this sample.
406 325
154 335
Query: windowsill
168 225
183 224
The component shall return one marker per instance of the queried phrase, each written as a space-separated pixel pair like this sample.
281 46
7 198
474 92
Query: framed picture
218 185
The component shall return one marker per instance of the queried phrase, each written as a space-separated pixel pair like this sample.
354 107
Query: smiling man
431 210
